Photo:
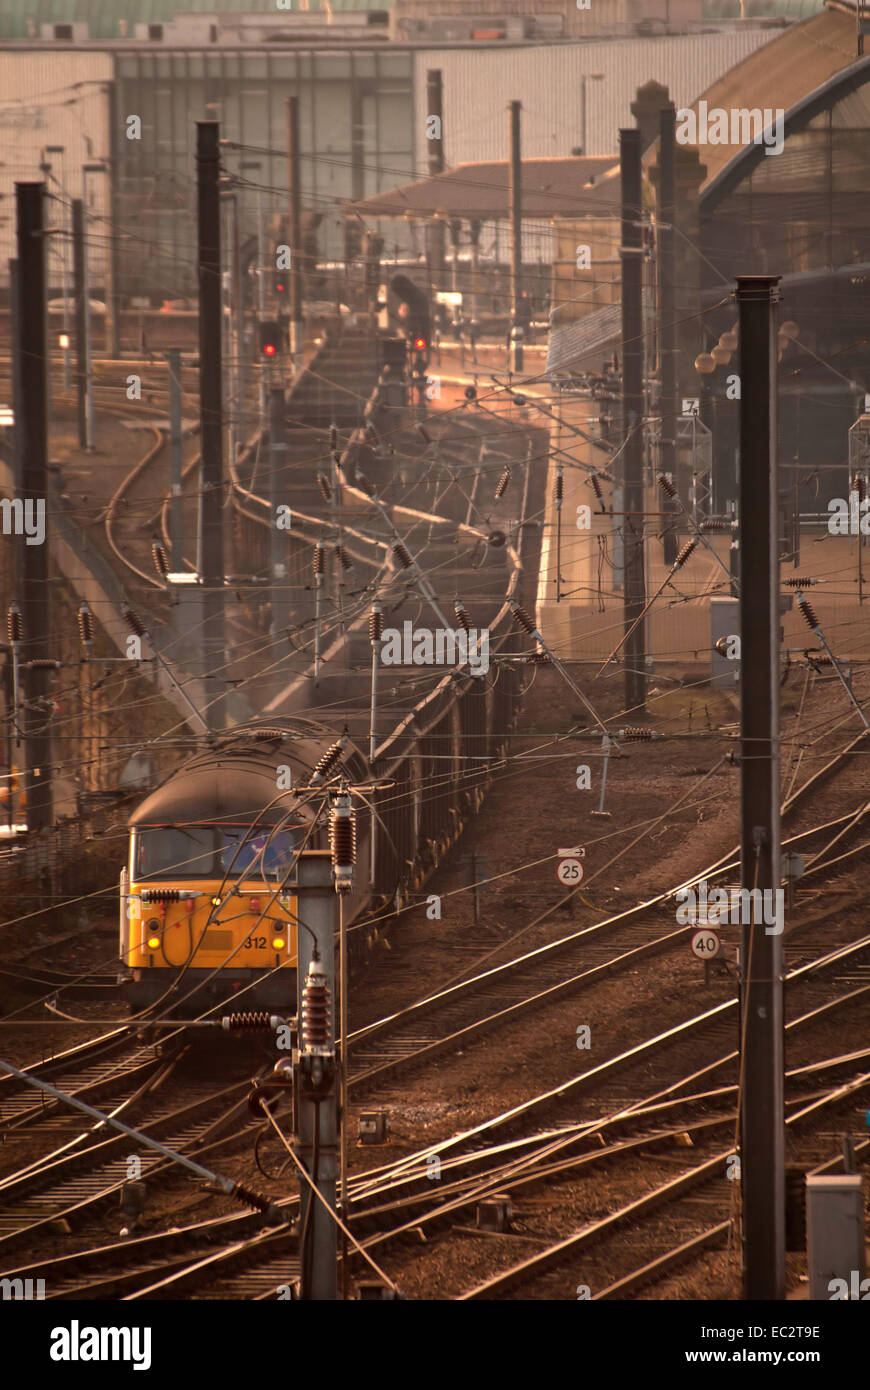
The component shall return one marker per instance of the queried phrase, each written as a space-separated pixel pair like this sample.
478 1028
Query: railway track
62 1187
462 1012
373 1194
256 1265
91 1064
249 1267
689 1200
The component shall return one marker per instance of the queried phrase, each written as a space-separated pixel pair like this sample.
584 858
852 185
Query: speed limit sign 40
705 944
570 872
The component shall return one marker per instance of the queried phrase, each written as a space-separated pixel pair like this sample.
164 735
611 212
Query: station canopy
480 191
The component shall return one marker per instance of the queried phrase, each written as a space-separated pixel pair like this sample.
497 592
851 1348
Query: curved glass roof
807 208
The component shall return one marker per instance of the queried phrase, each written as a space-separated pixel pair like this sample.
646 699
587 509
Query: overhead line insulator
329 760
158 555
134 622
250 1021
809 613
342 842
315 1027
86 625
522 617
666 485
14 624
684 554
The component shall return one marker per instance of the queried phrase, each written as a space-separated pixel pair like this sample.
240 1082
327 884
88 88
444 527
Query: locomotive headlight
153 943
278 943
215 902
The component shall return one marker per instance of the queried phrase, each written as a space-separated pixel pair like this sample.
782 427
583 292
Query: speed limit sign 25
570 872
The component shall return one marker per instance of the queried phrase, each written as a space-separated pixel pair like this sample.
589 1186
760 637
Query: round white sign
570 872
705 944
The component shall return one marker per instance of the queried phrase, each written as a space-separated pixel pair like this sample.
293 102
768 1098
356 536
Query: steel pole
86 310
435 166
277 539
32 439
342 1082
318 1118
176 513
211 538
667 315
631 253
516 216
78 233
239 319
65 259
261 298
762 1113
294 192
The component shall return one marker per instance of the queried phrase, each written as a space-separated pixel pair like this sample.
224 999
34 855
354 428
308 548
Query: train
208 895
209 891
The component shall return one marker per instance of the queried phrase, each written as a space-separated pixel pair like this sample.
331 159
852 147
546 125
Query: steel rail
642 1206
422 1008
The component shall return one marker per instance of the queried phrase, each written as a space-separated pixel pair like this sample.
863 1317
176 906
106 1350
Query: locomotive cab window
212 851
261 854
174 852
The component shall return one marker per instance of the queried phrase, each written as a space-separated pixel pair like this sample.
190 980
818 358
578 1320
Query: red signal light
420 344
270 338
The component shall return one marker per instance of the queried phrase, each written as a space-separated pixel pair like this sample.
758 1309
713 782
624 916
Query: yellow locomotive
208 897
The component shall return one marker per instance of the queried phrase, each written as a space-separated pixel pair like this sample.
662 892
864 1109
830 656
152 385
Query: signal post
316 1093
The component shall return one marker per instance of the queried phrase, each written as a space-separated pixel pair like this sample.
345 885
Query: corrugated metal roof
756 9
571 343
548 80
102 16
479 190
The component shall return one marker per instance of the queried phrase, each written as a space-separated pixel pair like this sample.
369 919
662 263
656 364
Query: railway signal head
270 340
282 285
420 347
